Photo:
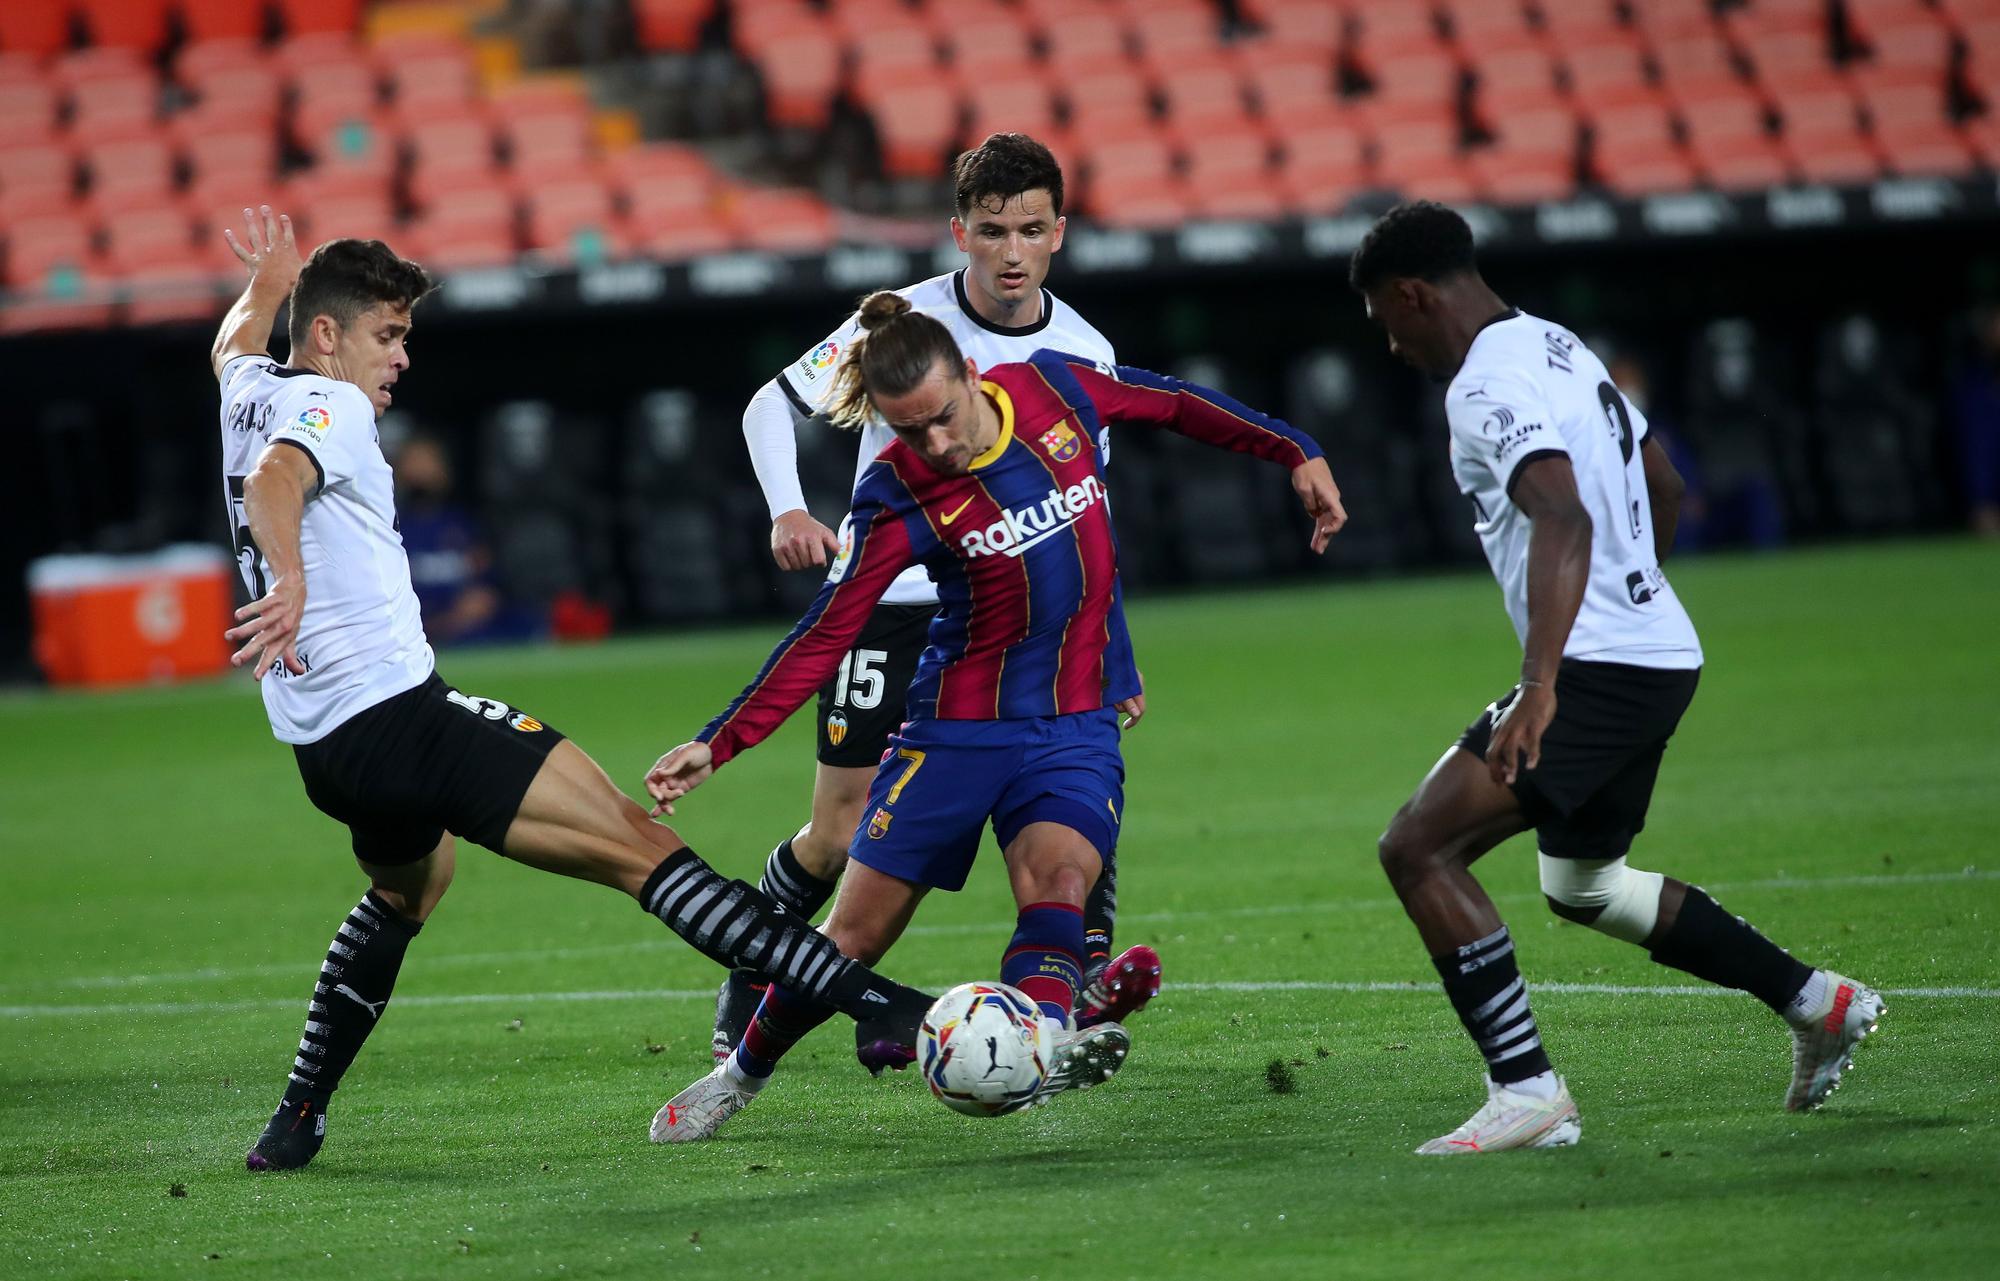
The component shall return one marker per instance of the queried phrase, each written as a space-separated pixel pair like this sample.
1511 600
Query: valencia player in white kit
1009 223
383 744
1575 505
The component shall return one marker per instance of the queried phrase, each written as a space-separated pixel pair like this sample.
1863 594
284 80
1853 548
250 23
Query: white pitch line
995 928
708 994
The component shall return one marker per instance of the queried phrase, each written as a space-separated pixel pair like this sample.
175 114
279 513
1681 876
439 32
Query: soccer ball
984 1049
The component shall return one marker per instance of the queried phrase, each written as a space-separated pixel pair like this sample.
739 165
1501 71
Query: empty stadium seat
113 110
1023 104
27 112
545 147
690 238
123 24
1742 161
38 246
1225 155
1308 26
1643 171
1201 94
1086 42
1508 176
144 238
310 17
1148 203
670 25
450 150
34 29
916 122
132 174
1108 97
780 220
224 146
989 43
222 19
800 73
1169 35
1284 80
1517 69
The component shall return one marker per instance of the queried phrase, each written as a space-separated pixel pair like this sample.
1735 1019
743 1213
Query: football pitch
170 893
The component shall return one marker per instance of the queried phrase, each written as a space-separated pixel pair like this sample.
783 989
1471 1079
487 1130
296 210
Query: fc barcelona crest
1060 442
836 728
878 824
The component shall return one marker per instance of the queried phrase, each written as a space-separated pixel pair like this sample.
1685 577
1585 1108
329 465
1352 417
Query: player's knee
1403 854
822 850
1604 894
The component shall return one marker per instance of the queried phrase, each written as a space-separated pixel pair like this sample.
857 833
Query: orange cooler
123 620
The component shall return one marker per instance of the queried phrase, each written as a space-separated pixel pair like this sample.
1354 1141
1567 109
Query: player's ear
325 334
1055 243
958 232
1413 294
971 371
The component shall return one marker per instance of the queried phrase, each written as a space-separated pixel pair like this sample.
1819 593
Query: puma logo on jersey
1016 531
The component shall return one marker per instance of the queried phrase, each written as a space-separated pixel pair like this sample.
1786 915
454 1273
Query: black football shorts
424 762
864 702
1600 755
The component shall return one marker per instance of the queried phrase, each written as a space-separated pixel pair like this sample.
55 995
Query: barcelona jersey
1030 621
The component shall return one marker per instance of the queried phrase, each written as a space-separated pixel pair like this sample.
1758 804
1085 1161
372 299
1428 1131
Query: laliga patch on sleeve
313 423
838 570
819 362
1108 370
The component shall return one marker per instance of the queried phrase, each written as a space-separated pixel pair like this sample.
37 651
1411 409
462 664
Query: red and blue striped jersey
1030 621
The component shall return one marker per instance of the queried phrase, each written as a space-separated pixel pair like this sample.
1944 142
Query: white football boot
697 1112
1084 1058
1512 1119
1823 1041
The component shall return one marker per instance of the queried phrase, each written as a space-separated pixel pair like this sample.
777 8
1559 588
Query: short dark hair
1002 167
344 278
1420 239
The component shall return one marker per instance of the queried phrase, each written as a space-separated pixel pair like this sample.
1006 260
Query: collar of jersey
1006 406
1005 331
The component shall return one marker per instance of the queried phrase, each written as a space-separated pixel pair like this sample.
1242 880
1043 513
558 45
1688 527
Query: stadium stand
414 118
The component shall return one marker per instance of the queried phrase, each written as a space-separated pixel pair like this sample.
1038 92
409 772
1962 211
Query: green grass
1836 781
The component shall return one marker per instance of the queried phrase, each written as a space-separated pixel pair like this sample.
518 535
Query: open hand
678 773
273 254
268 629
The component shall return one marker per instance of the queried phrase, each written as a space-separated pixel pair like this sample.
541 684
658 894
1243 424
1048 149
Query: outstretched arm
1201 413
273 261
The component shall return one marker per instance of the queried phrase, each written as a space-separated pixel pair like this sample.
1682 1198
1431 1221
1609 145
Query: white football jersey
809 380
361 639
1529 388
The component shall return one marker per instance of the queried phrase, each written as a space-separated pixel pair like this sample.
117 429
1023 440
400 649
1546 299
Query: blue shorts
942 780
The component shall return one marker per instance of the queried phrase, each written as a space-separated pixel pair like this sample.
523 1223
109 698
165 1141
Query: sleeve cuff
1534 457
799 404
314 458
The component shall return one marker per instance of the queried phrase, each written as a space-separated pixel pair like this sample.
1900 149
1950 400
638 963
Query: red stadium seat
1285 81
855 20
1933 148
1671 17
227 147
881 57
1109 97
310 17
1788 52
992 42
1905 34
344 88
1022 104
1742 162
34 200
1221 156
1417 176
1604 68
801 74
1699 56
143 238
302 56
1546 128
1897 97
1088 41
656 203
544 148
1488 24
1517 69
352 142
574 221
1982 133
1644 171
200 60
1323 153
34 29
781 221
1171 35
222 19
86 66
1141 204
1389 27
692 238
474 209
1307 26
429 79
1716 112
1137 157
38 246
1572 22
124 24
1258 199
916 123
1639 125
323 214
113 110
163 293
1511 177
445 249
1201 94
671 25
1428 73
27 113
752 27
47 164
136 174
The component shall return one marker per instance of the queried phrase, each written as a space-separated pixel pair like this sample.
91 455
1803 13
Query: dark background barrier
1814 384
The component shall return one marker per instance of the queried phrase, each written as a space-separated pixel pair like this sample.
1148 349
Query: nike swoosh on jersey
955 512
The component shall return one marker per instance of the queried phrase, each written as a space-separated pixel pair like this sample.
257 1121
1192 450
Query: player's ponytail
895 353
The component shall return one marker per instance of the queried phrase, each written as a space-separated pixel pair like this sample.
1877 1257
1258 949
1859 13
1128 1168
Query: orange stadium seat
1610 65
1822 132
1139 156
429 79
1905 35
1546 127
1308 26
1161 202
1170 34
353 142
124 24
33 200
342 88
916 122
575 222
40 167
1202 94
27 112
302 56
691 239
1743 162
543 148
880 57
1388 27
1022 104
308 17
1719 110
330 213
1660 18
1417 73
1693 56
1109 97
1488 24
1643 171
1524 69
801 74
670 25
1787 52
200 60
230 148
222 19
1502 174
38 246
853 20
1283 83
113 110
1226 155
443 249
780 220
451 150
1087 41
989 42
1418 176
1570 22
171 291
137 239
34 29
135 174
86 66
474 209
1255 199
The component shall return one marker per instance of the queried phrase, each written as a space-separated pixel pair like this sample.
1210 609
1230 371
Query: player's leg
869 915
355 982
800 874
573 820
1585 876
